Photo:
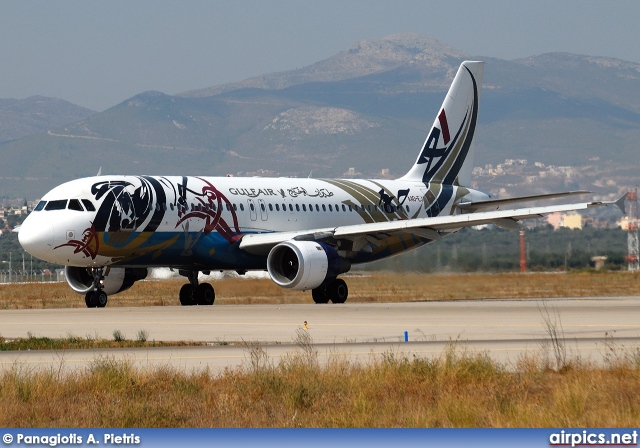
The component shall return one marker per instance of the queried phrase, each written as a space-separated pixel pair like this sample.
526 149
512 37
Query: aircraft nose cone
36 237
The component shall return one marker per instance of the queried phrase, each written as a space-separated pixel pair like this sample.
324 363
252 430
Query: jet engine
304 265
115 280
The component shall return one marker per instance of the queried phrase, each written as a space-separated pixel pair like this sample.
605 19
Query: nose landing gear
96 297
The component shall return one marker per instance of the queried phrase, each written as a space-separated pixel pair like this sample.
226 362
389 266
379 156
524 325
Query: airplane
109 230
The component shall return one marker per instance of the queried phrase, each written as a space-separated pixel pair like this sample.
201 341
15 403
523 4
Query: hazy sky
97 54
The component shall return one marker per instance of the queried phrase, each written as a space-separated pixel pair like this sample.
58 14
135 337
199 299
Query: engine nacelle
116 279
304 265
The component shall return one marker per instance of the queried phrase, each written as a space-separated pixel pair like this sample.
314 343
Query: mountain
19 118
368 108
362 59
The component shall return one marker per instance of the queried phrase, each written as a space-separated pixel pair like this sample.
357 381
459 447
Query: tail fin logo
442 118
431 150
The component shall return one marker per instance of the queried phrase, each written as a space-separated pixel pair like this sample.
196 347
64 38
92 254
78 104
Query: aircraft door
252 210
263 210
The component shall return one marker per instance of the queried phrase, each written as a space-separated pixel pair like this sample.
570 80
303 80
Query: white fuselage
176 221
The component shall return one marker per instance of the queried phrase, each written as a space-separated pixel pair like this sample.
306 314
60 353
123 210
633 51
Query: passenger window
40 206
304 208
337 208
270 207
74 204
407 209
290 207
252 207
88 205
235 207
171 207
317 208
324 208
344 208
241 207
330 209
262 207
56 205
277 207
213 207
310 207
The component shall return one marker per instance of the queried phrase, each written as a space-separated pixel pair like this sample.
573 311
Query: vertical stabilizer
447 154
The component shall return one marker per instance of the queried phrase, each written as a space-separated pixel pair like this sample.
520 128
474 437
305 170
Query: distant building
598 262
572 221
568 220
555 219
623 223
351 172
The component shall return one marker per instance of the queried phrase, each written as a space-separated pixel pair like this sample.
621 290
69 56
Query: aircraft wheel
320 295
186 298
100 298
339 291
205 295
89 299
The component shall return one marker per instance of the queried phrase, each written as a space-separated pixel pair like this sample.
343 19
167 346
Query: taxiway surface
506 329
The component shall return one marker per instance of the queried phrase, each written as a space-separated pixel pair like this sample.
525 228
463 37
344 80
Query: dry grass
76 343
457 389
375 287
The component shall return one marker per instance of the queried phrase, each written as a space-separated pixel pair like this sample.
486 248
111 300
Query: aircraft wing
497 203
422 227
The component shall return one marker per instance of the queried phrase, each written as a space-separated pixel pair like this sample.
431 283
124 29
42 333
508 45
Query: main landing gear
194 293
96 297
335 290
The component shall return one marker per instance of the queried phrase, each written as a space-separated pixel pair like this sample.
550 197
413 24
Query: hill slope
19 118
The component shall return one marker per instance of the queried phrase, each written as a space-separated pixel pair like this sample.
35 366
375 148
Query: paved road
505 328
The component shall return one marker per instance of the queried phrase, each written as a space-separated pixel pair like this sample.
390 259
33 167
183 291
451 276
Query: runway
505 329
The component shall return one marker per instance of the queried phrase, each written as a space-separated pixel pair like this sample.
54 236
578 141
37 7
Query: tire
339 291
101 299
186 298
320 295
89 299
205 294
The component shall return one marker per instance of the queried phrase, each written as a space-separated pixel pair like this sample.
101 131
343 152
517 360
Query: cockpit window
74 204
88 205
56 205
40 206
